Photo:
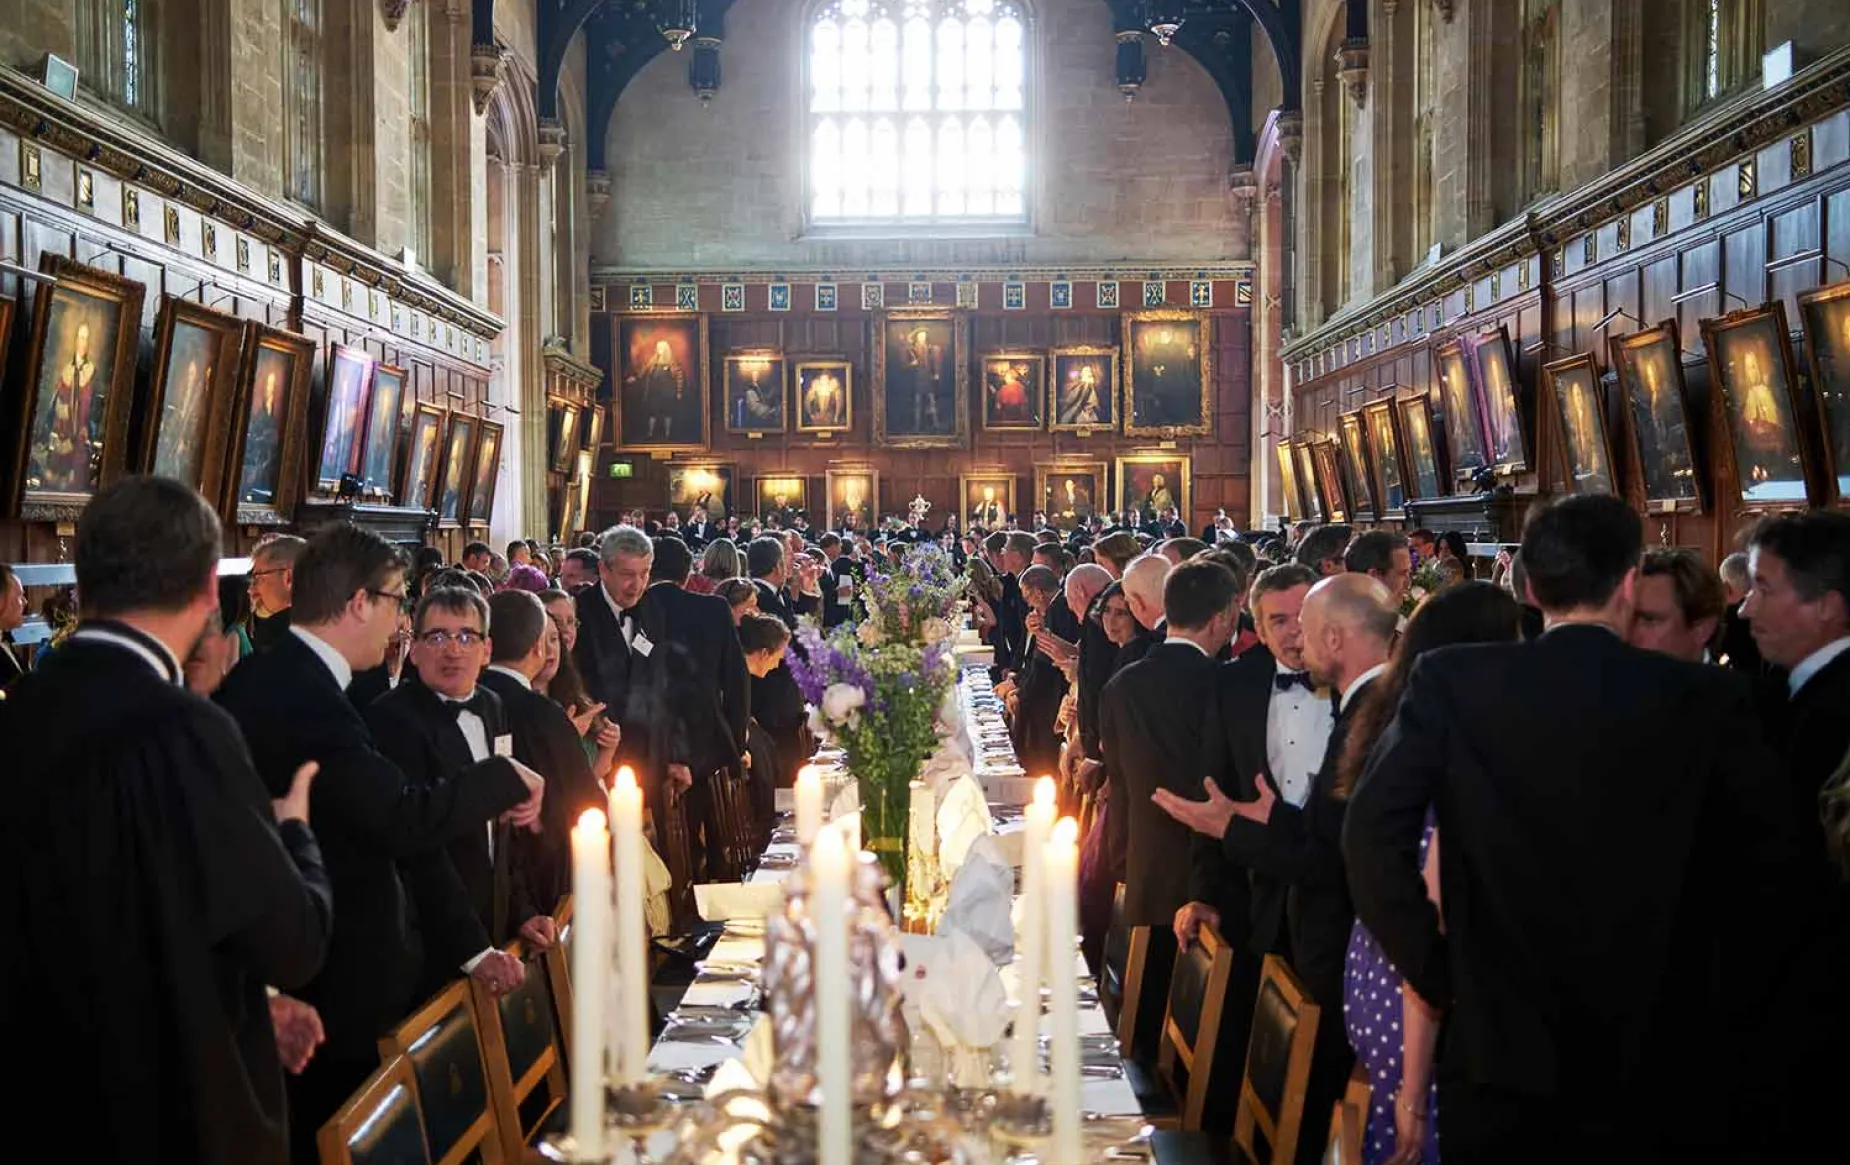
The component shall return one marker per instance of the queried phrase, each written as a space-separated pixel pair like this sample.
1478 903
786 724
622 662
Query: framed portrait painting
782 496
1825 315
852 494
1464 425
824 395
1150 483
1337 504
755 386
1586 453
423 457
1389 474
661 382
988 499
563 416
709 486
485 475
344 415
1170 374
1071 493
77 399
1491 364
921 379
1427 472
456 469
271 427
1315 508
1082 393
379 457
187 424
1288 482
1649 365
1358 480
594 428
1014 388
1750 359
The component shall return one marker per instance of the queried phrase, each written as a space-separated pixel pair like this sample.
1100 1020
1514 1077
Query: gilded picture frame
921 372
379 451
1508 439
1354 462
662 388
1013 385
1139 482
1384 459
1768 446
344 414
1084 388
702 483
190 404
851 491
1428 468
1315 506
1159 402
1089 494
458 470
1660 418
755 391
1824 314
1580 417
1468 449
1288 482
985 499
263 474
423 457
563 418
485 476
822 395
1326 455
70 443
783 494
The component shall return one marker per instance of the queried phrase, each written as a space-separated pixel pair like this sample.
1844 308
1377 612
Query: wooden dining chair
678 856
520 1045
442 1041
558 963
1349 1121
1271 1107
1192 1022
1133 973
380 1124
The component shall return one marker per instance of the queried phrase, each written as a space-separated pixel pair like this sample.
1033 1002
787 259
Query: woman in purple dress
1392 1029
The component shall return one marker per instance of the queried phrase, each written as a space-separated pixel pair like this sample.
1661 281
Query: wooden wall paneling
1702 264
1790 233
1744 257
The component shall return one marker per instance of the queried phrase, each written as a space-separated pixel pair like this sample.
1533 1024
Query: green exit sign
622 469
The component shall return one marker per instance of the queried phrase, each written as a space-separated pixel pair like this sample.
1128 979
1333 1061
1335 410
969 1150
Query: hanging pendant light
680 21
1165 20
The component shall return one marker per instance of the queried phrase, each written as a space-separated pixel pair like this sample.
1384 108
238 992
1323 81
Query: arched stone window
115 53
918 112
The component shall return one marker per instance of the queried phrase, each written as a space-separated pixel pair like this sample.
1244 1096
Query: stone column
525 337
456 154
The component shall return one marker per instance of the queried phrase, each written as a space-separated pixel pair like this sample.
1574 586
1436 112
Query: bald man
1083 583
1143 591
1349 623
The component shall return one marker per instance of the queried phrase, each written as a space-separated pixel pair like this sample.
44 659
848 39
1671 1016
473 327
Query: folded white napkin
962 1000
963 817
980 900
720 901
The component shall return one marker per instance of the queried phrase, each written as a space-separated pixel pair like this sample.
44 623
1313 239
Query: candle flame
808 774
1066 832
592 821
626 778
1044 792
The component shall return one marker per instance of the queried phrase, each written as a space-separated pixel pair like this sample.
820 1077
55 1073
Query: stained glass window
917 112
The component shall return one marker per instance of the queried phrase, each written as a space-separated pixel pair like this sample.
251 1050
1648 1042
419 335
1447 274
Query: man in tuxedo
699 530
1266 732
292 706
1678 607
1040 686
701 701
1799 609
478 557
612 652
272 581
1145 588
12 618
1737 648
769 567
837 582
1384 555
546 741
1149 717
151 887
579 570
1600 808
435 731
1349 622
1323 548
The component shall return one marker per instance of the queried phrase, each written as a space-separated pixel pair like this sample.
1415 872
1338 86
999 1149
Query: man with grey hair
612 650
1736 648
1322 549
272 582
1143 591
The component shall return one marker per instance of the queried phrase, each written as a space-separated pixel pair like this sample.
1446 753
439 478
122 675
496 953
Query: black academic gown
267 631
1040 688
146 898
546 741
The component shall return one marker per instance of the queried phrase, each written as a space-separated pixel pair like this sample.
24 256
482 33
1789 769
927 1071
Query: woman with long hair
1393 1030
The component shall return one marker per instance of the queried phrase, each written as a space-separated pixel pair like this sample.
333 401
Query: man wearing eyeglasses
272 580
373 819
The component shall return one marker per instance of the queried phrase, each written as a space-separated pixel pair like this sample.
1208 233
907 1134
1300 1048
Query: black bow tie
1284 681
478 703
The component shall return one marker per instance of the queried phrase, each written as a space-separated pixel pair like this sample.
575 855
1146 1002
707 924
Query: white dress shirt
1297 731
1371 673
476 733
626 626
335 661
1814 663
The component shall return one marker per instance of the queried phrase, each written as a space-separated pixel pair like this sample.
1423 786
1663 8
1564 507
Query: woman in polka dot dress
1392 1030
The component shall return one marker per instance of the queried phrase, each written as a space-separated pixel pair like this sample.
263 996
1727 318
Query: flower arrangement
913 604
1428 579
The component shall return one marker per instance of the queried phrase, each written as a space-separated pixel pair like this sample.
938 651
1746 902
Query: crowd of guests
256 820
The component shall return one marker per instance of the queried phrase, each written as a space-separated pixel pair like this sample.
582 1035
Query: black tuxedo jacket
368 818
1814 726
1098 659
1149 716
701 697
470 902
614 675
697 534
1040 688
1612 829
771 601
1222 871
11 670
1010 633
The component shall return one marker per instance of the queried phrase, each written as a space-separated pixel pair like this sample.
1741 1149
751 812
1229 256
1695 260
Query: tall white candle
1025 1061
1062 892
830 866
632 936
590 968
809 805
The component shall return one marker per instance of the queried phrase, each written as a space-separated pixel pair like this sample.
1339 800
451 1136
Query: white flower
869 634
935 629
1418 593
841 702
818 724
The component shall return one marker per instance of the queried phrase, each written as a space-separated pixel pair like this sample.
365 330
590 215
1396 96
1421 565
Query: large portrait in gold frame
1464 422
1327 457
922 379
783 494
263 471
1427 471
423 457
1353 460
1750 363
1649 365
1315 508
754 388
986 499
1586 452
824 395
1825 315
379 457
661 387
1168 375
344 415
1288 482
187 421
1071 492
457 469
1149 483
1384 460
1082 389
72 424
485 473
852 493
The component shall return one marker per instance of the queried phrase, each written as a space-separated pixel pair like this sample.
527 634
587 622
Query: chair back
1115 963
732 816
1144 956
442 1041
678 856
520 1041
380 1124
1192 1022
559 975
1349 1121
1277 1066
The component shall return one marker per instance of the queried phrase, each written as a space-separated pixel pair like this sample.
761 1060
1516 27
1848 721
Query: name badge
641 645
504 745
